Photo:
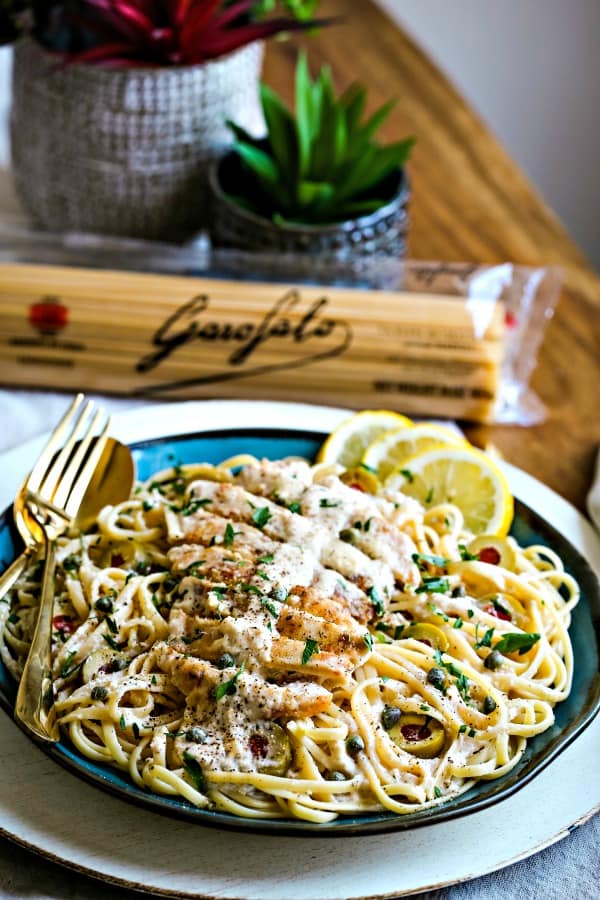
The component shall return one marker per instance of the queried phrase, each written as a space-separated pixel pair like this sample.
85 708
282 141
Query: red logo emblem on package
48 316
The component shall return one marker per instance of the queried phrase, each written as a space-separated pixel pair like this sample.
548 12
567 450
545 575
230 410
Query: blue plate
572 716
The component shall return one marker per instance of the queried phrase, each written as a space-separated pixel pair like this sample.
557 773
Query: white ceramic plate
52 812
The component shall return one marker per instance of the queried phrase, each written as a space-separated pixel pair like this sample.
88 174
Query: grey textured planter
124 151
381 232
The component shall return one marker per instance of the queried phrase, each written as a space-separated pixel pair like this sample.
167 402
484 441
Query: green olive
419 735
493 550
278 752
103 659
360 479
431 634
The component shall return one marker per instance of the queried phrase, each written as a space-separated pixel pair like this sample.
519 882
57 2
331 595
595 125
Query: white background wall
531 68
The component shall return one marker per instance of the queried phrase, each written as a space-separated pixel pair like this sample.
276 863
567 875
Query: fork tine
84 476
54 443
81 441
53 476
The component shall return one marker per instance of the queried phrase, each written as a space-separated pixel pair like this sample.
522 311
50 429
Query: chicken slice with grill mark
198 680
235 503
370 520
287 565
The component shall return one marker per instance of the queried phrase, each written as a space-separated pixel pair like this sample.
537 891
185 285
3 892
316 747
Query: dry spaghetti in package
428 339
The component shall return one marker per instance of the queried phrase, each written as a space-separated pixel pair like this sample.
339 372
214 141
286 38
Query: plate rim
381 822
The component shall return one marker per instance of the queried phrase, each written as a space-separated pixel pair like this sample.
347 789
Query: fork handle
34 708
15 570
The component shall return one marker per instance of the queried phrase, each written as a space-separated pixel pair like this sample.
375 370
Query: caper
437 678
279 594
196 734
143 567
489 705
336 776
458 591
355 744
119 663
347 535
99 692
390 716
493 660
104 604
225 661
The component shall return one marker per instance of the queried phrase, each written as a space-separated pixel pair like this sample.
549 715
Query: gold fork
54 491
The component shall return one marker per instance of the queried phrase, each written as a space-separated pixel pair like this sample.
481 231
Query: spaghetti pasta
262 638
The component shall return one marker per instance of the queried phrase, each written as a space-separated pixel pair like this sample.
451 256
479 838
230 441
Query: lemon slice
461 475
391 449
349 441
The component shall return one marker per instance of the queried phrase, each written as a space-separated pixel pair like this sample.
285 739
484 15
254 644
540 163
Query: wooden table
471 202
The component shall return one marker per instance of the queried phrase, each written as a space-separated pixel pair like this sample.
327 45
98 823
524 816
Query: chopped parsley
263 575
294 507
429 496
310 649
229 535
462 729
486 640
458 623
251 589
229 687
266 559
113 625
13 618
438 612
261 516
462 682
433 585
193 771
437 792
376 600
407 474
367 468
219 591
136 731
66 667
501 609
465 555
122 722
420 558
424 707
521 641
368 639
193 506
470 613
325 503
112 643
269 607
153 680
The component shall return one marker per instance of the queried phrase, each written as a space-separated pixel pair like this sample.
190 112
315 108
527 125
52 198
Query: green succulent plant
322 164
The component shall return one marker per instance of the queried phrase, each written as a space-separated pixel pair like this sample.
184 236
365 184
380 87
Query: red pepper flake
489 555
510 320
357 487
65 624
415 732
499 613
117 559
259 745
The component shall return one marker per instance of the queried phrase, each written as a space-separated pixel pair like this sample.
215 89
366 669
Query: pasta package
446 341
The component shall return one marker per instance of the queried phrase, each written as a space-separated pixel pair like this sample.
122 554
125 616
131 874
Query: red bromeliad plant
126 33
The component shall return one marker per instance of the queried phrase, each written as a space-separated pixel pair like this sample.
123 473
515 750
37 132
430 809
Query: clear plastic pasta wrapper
450 340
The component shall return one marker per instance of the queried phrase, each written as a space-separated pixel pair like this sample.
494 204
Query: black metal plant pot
381 232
